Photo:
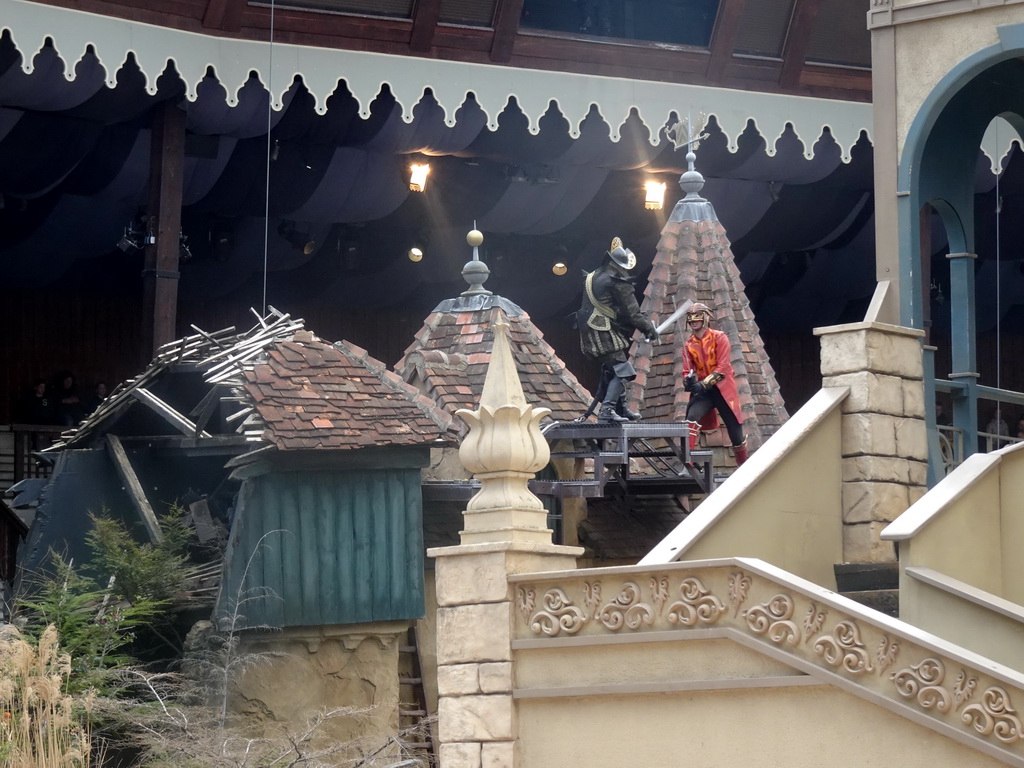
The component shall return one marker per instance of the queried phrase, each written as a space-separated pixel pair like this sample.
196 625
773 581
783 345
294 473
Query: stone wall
884 443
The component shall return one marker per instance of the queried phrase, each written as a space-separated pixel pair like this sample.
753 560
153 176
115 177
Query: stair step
885 601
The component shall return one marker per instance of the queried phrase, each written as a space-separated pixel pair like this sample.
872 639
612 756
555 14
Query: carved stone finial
504 449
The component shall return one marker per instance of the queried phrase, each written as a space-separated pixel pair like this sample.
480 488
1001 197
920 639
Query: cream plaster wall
1011 503
969 529
977 627
961 541
655 662
807 727
791 516
927 50
307 671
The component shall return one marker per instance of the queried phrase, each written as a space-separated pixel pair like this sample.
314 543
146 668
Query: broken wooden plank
204 410
206 529
168 413
134 487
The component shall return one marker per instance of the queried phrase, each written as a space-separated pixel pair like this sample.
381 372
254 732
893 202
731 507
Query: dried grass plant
41 725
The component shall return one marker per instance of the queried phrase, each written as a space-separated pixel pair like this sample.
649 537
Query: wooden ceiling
775 46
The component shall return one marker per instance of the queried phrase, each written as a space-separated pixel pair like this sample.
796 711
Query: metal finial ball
475 237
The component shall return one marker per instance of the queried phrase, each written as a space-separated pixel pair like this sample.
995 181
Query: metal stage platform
629 459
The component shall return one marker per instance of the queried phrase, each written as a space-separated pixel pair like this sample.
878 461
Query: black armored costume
606 320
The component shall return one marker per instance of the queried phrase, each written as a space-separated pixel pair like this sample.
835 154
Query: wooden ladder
415 723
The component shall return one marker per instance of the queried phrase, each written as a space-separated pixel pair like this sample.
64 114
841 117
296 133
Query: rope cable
266 192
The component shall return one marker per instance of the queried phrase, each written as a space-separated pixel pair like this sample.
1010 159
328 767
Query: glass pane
682 22
841 34
478 13
763 28
399 8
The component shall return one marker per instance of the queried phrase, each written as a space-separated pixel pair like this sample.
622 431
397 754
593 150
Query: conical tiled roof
449 357
694 262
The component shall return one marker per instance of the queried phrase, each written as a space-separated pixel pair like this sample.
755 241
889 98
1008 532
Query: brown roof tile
309 394
449 357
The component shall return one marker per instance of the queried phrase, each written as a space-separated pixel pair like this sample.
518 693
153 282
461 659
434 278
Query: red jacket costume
706 355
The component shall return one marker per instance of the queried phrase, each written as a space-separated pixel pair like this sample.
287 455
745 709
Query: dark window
763 28
680 22
478 13
841 34
399 8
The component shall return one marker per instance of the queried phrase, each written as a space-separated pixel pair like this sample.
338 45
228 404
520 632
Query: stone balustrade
812 630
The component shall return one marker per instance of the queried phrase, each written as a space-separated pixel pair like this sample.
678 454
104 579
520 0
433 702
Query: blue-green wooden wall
325 547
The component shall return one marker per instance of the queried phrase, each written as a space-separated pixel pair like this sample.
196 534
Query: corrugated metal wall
338 547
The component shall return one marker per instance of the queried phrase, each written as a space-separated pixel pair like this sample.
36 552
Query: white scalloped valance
30 24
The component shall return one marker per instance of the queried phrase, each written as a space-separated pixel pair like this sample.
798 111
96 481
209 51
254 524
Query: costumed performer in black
606 320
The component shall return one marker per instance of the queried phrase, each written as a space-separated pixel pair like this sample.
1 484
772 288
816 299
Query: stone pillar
505 532
884 441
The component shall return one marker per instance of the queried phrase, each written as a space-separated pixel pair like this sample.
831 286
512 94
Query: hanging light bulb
418 176
415 254
655 195
559 269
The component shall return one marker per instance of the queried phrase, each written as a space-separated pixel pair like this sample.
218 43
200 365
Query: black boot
607 414
624 412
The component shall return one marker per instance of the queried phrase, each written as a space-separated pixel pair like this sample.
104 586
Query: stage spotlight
301 241
418 176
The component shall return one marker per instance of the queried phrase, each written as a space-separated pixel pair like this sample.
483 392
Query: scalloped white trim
277 65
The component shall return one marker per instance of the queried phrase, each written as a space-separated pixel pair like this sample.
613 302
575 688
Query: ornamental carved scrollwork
888 650
659 591
814 619
773 619
626 610
924 681
739 585
557 615
697 605
994 716
591 596
526 600
843 648
963 690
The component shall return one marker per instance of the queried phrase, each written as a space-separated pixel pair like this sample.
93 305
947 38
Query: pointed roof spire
475 272
694 261
449 357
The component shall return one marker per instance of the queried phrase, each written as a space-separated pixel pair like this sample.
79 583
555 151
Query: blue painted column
963 333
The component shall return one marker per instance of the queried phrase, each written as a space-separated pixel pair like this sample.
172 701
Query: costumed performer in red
711 381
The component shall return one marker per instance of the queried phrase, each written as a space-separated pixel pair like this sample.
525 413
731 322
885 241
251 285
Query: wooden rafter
424 24
131 481
723 42
506 26
225 15
798 41
169 414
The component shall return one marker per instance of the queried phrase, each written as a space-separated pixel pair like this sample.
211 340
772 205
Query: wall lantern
655 195
418 176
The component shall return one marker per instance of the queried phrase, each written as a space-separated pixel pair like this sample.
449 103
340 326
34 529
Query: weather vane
681 134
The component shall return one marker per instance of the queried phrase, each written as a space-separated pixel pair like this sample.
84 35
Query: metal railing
18 449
